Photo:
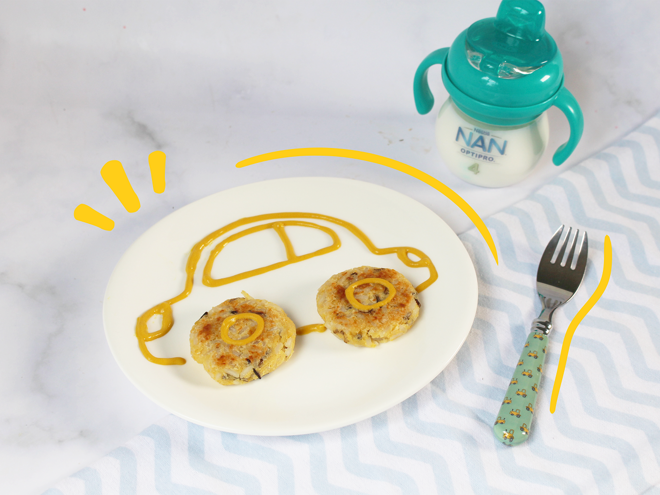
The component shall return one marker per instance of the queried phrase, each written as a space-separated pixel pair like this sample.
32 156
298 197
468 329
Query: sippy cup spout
512 45
522 19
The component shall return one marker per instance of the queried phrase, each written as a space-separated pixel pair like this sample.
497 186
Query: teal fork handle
514 420
423 97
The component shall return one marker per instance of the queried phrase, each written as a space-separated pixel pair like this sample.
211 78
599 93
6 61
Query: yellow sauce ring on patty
230 320
362 307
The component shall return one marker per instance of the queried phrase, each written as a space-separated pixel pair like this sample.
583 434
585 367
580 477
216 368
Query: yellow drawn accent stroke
157 167
87 214
602 285
115 177
386 162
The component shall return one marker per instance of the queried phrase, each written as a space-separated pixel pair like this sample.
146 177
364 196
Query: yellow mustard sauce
165 308
230 320
316 327
367 307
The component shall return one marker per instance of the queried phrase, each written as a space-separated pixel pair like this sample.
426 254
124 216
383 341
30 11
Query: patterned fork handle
514 420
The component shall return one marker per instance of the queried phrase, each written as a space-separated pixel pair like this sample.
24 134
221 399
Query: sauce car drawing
277 222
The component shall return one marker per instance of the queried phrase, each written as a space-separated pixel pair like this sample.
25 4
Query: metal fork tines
559 275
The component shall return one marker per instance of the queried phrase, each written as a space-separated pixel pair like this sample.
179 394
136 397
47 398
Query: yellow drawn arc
386 162
591 302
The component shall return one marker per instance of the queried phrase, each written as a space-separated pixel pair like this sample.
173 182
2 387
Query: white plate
326 384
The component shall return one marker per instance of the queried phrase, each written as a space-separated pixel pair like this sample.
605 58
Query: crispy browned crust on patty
373 327
231 364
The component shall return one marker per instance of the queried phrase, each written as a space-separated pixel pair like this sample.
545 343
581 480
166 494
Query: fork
557 280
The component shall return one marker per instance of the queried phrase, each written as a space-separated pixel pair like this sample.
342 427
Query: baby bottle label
491 156
479 144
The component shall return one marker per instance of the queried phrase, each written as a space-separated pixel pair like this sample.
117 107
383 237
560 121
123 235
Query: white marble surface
211 83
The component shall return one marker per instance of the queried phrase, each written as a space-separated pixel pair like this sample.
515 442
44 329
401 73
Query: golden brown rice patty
231 364
368 328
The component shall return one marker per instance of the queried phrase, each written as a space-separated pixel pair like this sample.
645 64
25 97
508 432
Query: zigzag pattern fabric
603 438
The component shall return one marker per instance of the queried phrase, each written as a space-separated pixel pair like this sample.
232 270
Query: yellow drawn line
157 167
386 162
602 285
87 214
115 177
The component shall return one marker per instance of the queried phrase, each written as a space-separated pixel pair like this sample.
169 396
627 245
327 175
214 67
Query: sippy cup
502 74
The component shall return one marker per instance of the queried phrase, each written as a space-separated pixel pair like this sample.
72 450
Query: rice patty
230 364
373 327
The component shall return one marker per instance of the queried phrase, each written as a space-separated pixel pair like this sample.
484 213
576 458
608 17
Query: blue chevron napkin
603 438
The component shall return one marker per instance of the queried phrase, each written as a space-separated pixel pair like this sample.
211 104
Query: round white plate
326 384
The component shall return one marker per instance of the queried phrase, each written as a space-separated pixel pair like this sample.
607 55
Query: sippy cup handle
566 102
423 96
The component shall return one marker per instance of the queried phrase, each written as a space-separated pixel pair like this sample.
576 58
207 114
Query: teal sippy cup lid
509 60
504 70
513 44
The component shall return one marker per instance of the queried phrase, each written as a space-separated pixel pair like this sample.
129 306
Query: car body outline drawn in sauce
165 308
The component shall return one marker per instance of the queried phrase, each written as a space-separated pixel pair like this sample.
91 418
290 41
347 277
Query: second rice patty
373 327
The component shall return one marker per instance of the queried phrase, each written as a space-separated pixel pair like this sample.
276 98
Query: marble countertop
212 83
